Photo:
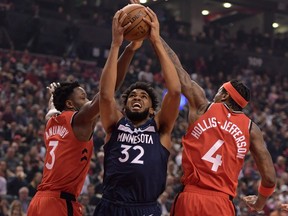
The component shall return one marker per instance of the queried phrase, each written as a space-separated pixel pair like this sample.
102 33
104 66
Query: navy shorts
114 208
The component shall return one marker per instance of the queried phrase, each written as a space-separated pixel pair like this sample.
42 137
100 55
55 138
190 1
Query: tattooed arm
190 89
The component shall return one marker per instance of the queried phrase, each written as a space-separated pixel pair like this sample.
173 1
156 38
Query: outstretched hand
154 24
117 27
51 88
52 111
251 201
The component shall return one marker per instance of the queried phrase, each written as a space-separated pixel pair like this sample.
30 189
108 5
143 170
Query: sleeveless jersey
67 160
214 148
135 163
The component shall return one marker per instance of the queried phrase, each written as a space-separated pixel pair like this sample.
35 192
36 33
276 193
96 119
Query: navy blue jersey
135 163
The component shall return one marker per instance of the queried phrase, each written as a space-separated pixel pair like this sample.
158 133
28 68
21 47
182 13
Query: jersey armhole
250 126
208 106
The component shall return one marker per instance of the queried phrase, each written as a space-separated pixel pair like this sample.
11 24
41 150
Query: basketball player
68 139
138 140
218 138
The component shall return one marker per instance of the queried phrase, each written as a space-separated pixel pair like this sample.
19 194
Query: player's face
219 95
138 100
138 105
79 98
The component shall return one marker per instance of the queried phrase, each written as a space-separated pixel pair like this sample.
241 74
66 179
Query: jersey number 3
54 144
216 161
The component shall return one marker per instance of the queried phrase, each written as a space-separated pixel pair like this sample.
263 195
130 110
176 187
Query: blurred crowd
23 105
24 98
73 15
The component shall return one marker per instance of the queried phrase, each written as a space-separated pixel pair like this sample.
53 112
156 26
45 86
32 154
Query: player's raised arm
125 60
51 108
266 169
170 104
190 89
108 109
90 110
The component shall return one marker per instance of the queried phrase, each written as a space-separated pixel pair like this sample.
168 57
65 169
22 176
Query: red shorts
47 203
195 201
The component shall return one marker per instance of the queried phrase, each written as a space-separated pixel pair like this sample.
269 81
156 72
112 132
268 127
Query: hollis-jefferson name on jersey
228 126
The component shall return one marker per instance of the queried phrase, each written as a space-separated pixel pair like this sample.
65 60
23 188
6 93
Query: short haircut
62 93
144 86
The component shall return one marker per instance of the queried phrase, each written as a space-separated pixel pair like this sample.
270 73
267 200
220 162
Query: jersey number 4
54 144
216 161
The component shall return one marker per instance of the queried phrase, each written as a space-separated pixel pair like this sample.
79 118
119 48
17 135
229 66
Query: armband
265 191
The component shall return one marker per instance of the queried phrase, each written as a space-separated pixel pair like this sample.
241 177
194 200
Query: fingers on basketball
139 29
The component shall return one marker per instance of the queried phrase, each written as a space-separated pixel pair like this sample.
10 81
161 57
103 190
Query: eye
131 96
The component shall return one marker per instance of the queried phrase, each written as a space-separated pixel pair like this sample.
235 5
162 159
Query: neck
70 109
228 106
139 123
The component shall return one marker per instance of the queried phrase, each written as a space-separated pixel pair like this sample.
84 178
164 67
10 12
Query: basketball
138 29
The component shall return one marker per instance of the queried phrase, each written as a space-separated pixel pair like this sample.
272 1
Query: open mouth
136 106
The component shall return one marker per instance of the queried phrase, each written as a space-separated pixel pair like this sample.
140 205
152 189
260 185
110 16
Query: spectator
16 209
23 197
3 186
4 207
11 159
94 195
84 200
280 165
4 171
283 196
17 182
34 183
162 202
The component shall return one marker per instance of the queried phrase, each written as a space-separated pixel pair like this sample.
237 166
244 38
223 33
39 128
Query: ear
151 111
123 111
225 96
69 104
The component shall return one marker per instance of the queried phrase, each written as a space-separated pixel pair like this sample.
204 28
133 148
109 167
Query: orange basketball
138 29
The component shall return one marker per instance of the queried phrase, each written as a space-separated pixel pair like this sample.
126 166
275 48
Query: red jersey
214 148
67 159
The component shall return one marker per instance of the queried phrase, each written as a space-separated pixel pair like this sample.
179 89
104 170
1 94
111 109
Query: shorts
47 203
107 207
195 201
